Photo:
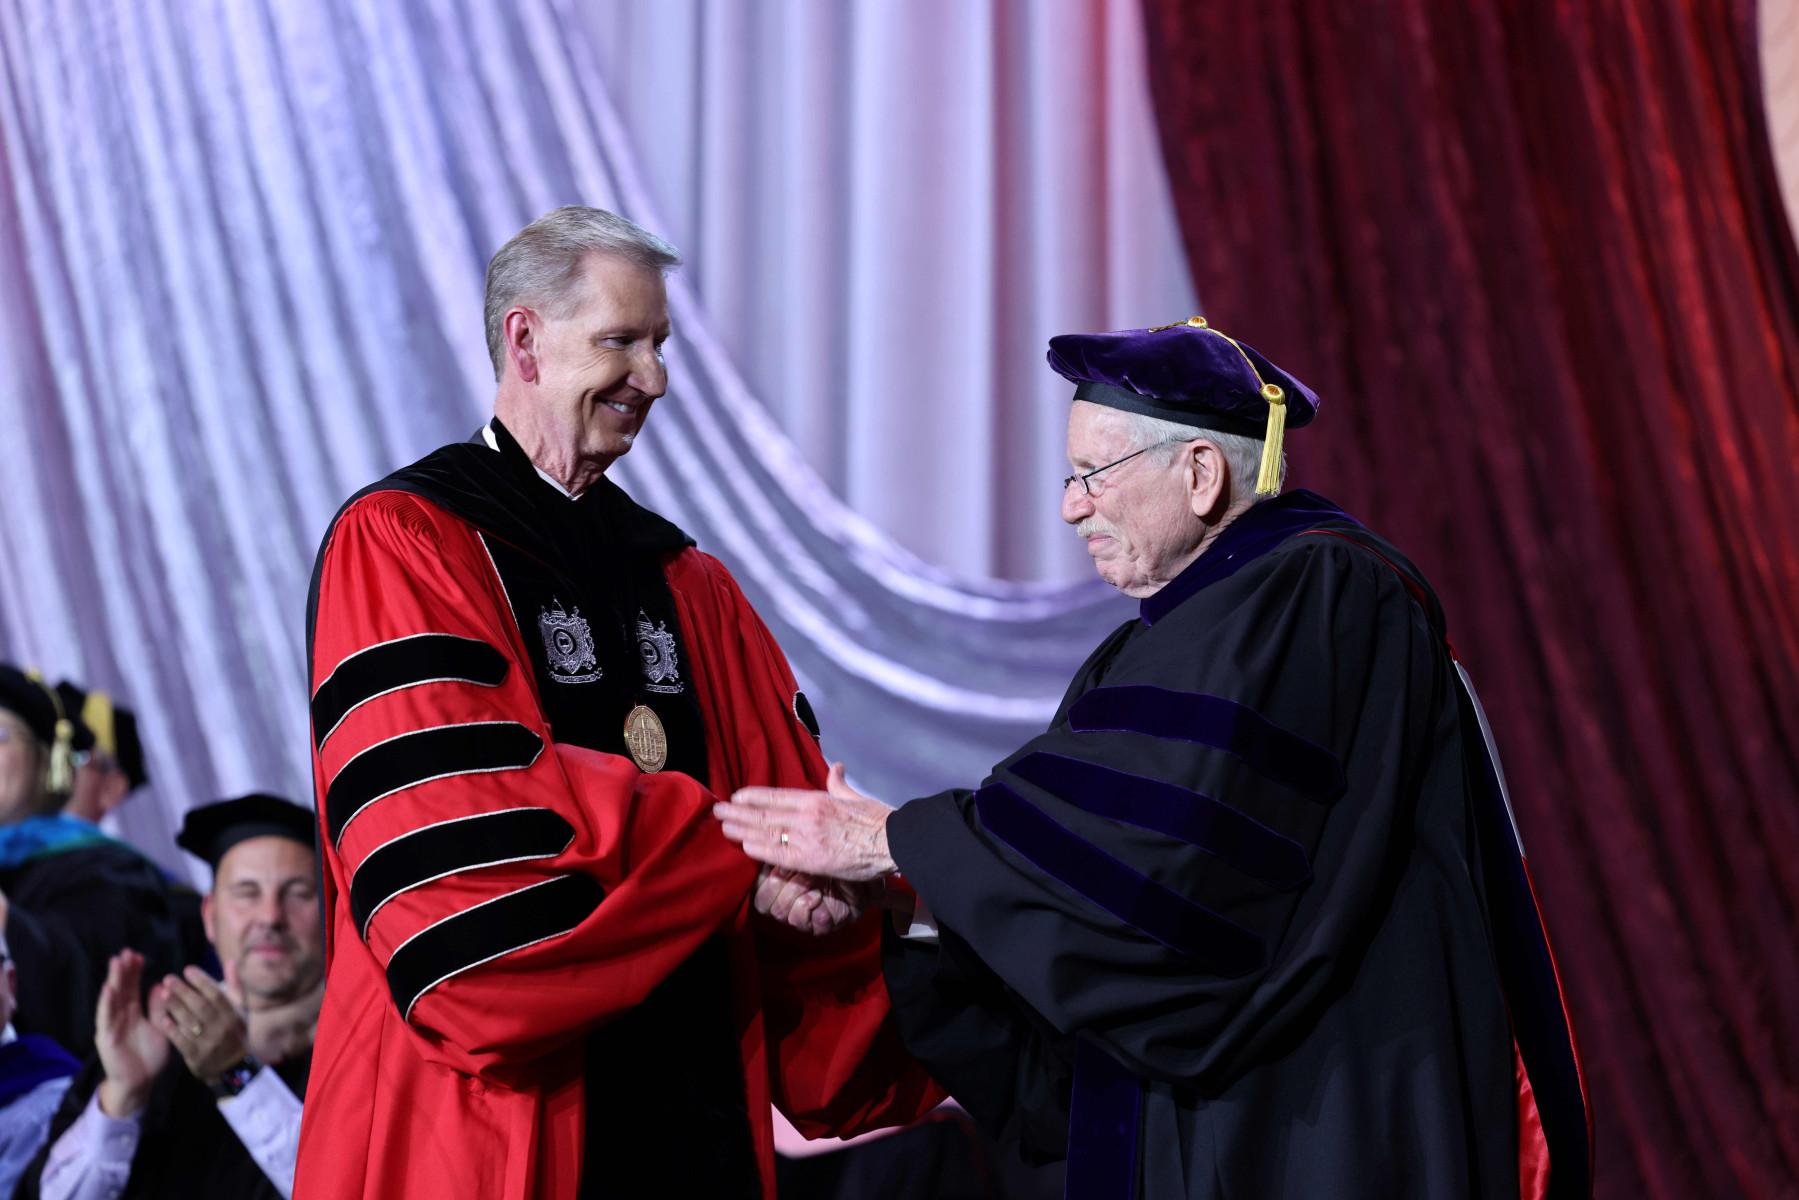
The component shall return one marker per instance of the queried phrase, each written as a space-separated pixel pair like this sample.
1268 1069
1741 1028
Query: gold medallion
646 739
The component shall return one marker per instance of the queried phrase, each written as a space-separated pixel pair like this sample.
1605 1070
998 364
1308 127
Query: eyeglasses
1094 489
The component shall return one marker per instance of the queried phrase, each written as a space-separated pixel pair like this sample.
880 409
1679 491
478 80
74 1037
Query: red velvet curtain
1533 258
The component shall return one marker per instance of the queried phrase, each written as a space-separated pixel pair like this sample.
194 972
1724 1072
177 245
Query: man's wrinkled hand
812 905
836 834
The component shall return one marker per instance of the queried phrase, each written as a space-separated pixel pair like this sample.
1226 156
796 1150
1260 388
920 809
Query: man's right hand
807 903
132 1049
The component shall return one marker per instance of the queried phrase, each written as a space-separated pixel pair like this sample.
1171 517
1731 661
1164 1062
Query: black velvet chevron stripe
487 931
415 758
402 663
1222 946
465 844
1270 751
1194 818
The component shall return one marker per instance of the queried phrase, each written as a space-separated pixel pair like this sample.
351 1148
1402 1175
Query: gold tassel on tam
61 780
1268 479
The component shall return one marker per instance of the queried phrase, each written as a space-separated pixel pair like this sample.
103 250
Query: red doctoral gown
493 896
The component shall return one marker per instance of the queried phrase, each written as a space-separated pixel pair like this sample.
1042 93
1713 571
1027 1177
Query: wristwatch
234 1078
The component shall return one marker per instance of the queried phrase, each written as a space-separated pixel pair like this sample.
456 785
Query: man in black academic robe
1249 918
196 1091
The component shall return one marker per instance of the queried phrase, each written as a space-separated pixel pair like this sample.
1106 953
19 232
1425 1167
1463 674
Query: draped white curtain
889 208
241 251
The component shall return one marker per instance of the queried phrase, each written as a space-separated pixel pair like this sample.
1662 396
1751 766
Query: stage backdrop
1534 258
241 255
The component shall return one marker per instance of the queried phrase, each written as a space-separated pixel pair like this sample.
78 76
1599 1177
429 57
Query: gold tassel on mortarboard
60 779
1268 477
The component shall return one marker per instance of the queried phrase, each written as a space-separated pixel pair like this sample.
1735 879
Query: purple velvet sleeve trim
1104 1126
1191 817
1266 748
1221 946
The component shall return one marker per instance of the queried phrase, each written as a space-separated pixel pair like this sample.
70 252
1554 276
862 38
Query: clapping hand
128 1036
205 1022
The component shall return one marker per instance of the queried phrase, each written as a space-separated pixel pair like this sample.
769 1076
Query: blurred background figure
70 896
113 767
34 1074
195 1090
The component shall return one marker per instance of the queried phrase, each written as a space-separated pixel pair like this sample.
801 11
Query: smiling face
580 375
1141 526
263 915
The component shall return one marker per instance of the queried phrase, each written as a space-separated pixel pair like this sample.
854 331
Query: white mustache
1093 525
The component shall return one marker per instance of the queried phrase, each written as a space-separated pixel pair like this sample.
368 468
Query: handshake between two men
824 853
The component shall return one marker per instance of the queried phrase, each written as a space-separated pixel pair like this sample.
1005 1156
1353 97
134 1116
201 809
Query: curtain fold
889 207
1534 259
241 255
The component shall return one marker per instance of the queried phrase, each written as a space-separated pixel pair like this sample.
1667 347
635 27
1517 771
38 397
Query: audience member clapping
196 1088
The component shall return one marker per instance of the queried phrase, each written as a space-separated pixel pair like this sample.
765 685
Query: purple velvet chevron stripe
1105 1114
1222 946
1192 817
1266 748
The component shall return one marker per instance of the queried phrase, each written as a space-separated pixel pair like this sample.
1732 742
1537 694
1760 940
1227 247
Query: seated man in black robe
196 1091
70 896
1249 918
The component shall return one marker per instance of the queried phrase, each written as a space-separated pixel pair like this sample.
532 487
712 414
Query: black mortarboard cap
112 727
41 707
211 829
28 699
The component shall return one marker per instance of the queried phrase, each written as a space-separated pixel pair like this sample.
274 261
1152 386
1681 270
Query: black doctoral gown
1226 929
185 1148
70 909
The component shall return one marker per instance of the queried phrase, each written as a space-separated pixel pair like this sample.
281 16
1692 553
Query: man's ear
1208 480
208 921
519 327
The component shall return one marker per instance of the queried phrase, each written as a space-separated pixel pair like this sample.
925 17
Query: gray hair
540 264
1242 452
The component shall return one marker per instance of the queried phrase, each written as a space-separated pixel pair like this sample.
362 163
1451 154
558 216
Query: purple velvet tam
1187 373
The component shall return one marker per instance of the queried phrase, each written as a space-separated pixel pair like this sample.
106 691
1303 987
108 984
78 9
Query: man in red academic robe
545 976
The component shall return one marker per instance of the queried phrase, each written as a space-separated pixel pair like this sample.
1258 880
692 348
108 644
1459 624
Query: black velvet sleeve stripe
1192 817
1266 748
488 931
448 847
402 663
415 758
1190 929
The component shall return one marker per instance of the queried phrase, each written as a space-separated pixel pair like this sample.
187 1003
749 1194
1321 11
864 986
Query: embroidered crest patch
661 666
568 642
